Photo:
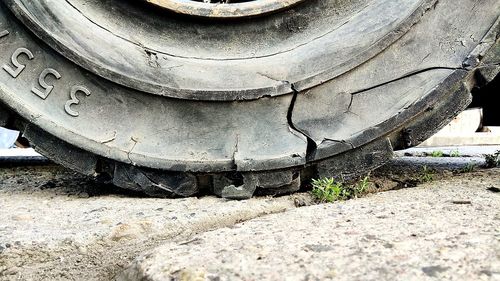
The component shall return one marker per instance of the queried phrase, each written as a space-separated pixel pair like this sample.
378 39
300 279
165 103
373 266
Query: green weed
437 153
470 167
455 153
492 160
362 186
427 175
330 190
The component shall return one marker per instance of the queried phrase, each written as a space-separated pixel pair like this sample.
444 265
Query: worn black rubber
173 104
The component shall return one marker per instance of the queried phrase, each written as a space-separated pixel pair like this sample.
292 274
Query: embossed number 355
47 89
74 99
19 67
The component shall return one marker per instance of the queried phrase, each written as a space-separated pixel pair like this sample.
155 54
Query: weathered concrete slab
454 151
56 225
415 165
442 230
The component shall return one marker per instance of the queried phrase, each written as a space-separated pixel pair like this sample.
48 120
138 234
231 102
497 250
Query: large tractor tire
170 97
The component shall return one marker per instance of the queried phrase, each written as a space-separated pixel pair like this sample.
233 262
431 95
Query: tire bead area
249 8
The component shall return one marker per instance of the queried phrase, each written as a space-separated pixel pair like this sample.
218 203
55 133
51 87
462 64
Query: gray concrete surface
461 151
416 164
446 230
57 225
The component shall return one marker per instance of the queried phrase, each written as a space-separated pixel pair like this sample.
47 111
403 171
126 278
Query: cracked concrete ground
56 225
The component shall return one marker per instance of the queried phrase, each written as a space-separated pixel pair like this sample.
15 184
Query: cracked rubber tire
171 102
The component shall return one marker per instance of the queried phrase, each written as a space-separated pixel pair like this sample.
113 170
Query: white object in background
468 121
7 137
492 129
463 131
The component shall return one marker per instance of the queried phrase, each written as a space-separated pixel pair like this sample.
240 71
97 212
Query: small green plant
362 186
437 153
330 190
455 153
470 167
492 160
427 175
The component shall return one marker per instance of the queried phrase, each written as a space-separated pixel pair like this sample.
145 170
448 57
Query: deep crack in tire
169 102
